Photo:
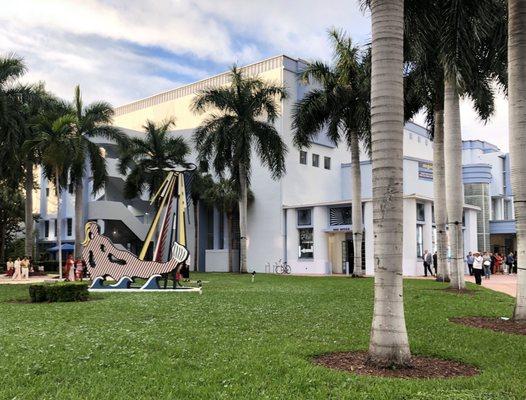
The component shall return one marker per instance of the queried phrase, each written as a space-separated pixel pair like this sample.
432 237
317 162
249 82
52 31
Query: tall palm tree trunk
196 235
79 218
453 171
389 344
357 228
517 121
243 219
229 229
28 187
59 237
439 182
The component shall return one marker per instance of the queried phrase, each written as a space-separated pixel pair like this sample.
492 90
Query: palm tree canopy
92 121
242 122
469 40
144 160
342 104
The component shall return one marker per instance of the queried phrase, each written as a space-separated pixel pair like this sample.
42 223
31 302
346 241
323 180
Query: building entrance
348 255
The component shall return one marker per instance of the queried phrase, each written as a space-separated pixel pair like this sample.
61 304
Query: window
433 213
69 227
210 228
420 212
315 160
327 162
46 228
56 228
340 216
306 247
303 157
305 217
507 210
419 240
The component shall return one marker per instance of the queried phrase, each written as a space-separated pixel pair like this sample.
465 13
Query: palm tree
200 184
241 122
517 121
144 160
53 146
343 105
91 121
471 43
224 195
389 344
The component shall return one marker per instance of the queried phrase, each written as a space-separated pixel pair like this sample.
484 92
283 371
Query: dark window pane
315 160
420 212
305 217
327 162
303 157
306 245
340 216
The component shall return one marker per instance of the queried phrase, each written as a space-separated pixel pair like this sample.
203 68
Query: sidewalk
7 280
500 283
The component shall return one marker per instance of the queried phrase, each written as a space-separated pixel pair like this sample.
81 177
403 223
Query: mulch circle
422 367
495 324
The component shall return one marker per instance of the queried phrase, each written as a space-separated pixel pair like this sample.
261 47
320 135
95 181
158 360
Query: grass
243 340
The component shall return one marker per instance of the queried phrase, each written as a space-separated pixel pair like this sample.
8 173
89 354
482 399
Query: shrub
59 292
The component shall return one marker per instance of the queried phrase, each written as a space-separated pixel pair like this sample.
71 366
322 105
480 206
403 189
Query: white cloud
106 45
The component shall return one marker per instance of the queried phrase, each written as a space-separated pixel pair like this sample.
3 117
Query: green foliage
58 292
240 120
342 104
11 215
143 160
243 340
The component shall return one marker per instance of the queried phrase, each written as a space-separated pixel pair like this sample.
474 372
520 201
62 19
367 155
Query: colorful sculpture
103 259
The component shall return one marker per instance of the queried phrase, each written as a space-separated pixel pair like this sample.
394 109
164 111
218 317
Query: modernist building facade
303 218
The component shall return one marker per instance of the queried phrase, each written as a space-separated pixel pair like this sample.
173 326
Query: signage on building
425 170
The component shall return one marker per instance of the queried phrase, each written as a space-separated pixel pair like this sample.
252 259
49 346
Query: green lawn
243 340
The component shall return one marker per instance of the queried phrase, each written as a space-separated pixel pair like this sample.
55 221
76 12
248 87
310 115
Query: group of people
19 269
430 260
487 264
74 269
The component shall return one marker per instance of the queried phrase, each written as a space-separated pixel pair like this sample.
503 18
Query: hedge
58 292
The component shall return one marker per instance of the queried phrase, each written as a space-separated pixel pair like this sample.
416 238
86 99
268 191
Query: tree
53 145
91 121
241 121
517 124
199 187
143 160
343 106
11 215
471 46
389 344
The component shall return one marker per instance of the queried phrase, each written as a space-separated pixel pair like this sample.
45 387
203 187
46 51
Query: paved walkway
500 283
7 280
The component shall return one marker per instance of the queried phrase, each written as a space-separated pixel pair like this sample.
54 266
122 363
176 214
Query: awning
65 247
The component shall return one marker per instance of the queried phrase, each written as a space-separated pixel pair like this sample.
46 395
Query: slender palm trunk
440 196
58 222
79 218
28 187
229 229
454 190
196 235
389 344
357 228
243 219
517 124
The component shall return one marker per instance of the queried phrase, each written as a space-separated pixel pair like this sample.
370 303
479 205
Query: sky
124 50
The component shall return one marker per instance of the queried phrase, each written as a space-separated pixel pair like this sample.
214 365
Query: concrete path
500 283
7 280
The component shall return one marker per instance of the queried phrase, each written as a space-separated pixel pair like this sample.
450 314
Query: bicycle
281 267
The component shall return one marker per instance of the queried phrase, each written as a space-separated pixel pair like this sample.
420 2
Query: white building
305 217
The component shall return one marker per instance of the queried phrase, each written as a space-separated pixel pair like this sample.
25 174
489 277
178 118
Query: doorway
348 254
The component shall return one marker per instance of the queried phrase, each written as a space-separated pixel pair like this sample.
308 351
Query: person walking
509 263
17 275
427 258
477 267
469 260
10 267
24 264
70 268
487 265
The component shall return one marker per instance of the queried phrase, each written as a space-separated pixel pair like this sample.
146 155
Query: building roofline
266 64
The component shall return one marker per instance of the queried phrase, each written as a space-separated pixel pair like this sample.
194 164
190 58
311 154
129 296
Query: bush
59 292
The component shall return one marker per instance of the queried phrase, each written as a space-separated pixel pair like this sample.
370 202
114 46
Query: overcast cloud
121 51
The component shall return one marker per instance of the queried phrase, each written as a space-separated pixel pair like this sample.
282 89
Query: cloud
122 51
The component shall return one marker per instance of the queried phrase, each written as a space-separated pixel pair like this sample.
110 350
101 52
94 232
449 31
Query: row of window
71 188
315 160
69 227
337 216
